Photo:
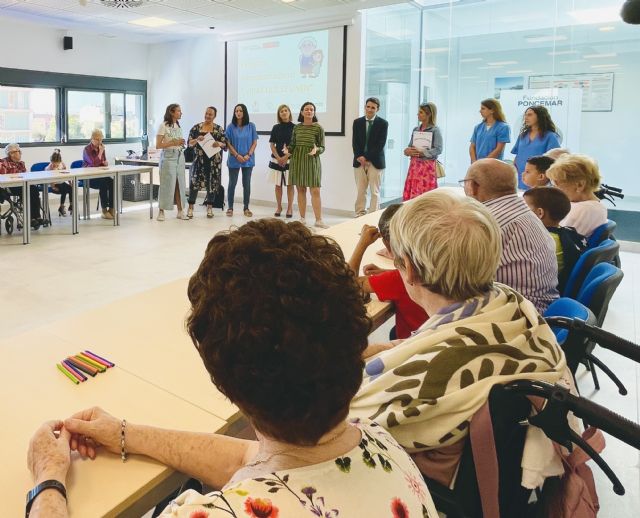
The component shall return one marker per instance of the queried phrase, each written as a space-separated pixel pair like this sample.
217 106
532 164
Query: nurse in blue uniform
537 136
492 134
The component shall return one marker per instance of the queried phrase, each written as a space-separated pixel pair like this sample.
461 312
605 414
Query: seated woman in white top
578 177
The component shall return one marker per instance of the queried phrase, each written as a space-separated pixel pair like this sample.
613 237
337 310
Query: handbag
218 198
189 154
440 172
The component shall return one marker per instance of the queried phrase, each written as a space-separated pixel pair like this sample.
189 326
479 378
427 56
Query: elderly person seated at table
94 155
13 164
426 389
288 353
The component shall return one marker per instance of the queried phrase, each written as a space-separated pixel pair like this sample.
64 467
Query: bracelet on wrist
47 484
123 427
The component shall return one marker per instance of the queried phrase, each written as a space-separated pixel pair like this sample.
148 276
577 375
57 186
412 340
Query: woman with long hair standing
279 141
206 171
307 144
242 139
169 138
537 136
424 148
492 134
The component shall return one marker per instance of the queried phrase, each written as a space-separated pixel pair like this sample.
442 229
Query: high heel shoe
61 211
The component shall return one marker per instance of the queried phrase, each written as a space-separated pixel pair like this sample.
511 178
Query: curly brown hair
280 324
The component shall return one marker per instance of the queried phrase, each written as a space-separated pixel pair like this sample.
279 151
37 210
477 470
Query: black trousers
34 197
105 186
62 189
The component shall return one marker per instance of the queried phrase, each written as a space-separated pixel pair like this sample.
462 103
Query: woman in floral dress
292 369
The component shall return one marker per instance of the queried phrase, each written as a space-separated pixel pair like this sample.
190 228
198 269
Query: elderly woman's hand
91 428
49 456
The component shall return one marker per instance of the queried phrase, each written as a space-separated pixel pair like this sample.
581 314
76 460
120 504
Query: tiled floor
60 275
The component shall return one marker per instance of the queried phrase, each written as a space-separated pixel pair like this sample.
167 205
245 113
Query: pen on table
99 358
73 370
90 365
92 362
67 373
82 366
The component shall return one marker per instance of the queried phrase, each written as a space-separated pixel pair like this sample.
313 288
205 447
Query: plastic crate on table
134 190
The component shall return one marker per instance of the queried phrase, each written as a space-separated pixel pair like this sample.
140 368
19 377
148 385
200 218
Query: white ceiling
192 17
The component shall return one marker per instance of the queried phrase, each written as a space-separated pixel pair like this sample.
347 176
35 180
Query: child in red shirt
387 284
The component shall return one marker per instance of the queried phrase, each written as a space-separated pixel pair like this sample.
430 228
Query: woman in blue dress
537 136
492 134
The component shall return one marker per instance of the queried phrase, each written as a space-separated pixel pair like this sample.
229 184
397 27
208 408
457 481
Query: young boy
535 169
551 205
387 284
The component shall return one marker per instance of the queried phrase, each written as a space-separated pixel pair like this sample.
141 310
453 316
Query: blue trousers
246 185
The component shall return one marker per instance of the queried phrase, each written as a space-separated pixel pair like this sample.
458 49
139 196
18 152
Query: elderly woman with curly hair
426 389
291 359
578 177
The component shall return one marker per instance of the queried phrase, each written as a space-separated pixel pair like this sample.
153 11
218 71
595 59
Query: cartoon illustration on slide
307 46
318 58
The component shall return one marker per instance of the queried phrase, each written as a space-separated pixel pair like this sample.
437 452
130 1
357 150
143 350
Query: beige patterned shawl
425 390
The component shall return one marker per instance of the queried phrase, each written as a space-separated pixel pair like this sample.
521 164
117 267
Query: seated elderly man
426 389
528 262
13 164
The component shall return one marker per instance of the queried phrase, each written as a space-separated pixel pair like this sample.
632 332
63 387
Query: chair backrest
39 166
605 252
604 231
76 164
598 287
572 343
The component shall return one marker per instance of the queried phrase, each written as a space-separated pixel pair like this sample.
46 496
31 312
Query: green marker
67 373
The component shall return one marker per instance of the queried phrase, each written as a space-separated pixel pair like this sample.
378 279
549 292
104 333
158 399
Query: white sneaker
320 224
161 215
181 215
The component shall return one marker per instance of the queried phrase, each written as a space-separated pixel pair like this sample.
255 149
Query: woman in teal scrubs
492 134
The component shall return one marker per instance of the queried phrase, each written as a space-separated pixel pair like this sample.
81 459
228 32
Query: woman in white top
169 138
578 177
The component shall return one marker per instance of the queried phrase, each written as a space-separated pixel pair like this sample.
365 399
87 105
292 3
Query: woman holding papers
207 140
242 139
169 139
307 144
424 147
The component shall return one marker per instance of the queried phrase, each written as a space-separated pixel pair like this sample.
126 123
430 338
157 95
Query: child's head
534 174
385 221
56 156
550 204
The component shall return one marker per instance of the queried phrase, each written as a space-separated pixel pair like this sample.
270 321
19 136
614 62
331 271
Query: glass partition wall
575 55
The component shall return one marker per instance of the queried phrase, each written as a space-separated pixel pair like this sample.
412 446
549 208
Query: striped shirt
528 263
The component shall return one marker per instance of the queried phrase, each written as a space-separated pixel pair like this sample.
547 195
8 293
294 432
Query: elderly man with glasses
13 164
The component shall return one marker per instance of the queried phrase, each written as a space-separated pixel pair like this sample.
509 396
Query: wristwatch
47 484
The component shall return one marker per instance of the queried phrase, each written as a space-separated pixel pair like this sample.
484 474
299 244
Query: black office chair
605 252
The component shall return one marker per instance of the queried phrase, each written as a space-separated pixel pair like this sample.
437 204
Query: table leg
117 198
151 193
26 214
74 202
85 199
45 203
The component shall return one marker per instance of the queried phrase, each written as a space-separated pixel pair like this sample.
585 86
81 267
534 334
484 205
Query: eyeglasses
463 181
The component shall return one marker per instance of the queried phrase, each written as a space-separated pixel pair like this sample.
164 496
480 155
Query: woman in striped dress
307 144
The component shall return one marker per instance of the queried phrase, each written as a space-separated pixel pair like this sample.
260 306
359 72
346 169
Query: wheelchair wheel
8 225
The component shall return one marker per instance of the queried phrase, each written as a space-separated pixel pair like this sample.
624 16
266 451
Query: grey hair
11 147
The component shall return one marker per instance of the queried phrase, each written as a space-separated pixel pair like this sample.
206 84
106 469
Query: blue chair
39 166
46 213
76 164
596 292
604 231
605 252
574 345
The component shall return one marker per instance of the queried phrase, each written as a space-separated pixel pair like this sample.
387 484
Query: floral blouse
376 478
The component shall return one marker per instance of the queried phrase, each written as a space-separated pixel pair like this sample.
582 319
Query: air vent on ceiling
124 4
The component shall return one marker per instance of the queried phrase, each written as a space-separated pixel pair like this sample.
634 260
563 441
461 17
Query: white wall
37 47
191 73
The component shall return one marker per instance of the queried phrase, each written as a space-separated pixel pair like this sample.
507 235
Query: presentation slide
290 69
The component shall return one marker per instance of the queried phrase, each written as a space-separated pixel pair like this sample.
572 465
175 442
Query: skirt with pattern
421 178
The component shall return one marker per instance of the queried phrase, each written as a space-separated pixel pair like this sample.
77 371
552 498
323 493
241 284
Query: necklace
300 453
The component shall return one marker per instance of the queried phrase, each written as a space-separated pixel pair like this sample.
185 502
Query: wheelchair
12 219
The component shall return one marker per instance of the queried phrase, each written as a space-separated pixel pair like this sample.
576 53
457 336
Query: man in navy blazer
368 141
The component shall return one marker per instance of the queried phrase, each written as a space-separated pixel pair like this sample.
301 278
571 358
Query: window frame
63 84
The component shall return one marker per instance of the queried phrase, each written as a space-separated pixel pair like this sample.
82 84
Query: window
28 114
46 107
